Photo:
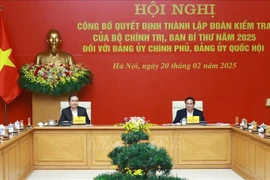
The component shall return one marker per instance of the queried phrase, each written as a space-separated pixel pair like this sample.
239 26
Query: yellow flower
138 172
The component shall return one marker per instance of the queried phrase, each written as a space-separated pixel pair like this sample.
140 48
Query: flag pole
5 115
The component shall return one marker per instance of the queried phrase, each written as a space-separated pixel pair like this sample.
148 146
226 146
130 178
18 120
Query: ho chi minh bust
54 55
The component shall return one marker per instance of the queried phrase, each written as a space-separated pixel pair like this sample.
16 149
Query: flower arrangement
54 79
136 124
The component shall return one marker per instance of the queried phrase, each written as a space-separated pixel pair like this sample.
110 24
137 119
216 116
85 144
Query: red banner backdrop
146 54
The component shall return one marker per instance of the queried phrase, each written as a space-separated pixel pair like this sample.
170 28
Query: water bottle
17 125
2 130
6 131
10 128
184 121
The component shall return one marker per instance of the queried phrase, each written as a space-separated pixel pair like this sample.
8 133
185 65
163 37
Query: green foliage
137 160
134 137
143 156
114 176
120 176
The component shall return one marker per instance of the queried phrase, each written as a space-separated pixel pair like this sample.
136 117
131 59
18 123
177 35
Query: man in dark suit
188 111
73 110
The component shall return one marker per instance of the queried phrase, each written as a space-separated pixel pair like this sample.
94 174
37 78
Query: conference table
81 147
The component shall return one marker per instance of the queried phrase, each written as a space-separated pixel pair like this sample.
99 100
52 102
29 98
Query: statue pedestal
45 107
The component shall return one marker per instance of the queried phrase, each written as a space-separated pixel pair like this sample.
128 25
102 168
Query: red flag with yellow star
9 87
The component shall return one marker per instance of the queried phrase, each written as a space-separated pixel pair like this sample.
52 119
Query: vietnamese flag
9 87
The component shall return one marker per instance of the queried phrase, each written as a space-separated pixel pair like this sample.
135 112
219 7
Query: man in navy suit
188 111
73 110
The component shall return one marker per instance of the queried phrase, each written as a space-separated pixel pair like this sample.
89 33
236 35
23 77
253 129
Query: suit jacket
182 113
67 114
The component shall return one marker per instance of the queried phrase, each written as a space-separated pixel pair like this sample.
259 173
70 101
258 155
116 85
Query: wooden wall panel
26 154
45 107
102 143
60 148
251 155
11 161
2 170
267 164
208 147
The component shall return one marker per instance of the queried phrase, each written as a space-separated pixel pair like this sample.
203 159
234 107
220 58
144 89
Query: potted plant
137 158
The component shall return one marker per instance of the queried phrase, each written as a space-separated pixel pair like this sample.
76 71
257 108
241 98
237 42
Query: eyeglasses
189 104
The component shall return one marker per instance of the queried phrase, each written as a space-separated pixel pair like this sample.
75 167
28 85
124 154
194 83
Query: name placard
193 119
79 120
